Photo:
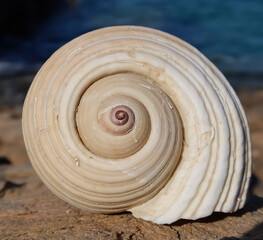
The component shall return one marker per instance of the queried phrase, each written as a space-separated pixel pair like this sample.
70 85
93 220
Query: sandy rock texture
28 210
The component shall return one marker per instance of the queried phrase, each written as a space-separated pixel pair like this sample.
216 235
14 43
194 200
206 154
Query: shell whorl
131 118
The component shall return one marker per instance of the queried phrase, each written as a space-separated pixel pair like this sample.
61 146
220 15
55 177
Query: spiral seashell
132 118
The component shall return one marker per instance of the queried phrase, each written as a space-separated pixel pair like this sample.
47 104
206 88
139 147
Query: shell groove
177 145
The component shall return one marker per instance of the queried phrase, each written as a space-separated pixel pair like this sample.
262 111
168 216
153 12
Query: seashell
134 119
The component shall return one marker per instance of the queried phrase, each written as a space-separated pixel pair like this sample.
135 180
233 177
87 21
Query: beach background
229 33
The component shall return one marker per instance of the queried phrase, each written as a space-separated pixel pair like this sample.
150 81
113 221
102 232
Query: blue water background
228 32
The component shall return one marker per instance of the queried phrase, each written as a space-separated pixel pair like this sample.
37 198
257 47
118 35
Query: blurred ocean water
229 32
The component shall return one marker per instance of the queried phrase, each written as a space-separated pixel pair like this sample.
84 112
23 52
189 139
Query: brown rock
28 210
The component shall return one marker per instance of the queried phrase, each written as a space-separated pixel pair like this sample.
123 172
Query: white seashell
131 118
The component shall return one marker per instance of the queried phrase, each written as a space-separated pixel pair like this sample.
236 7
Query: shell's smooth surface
131 118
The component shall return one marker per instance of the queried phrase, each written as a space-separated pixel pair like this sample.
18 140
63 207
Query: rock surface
28 210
